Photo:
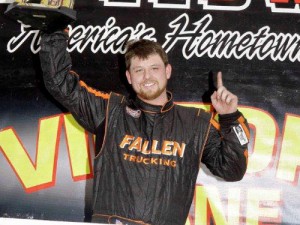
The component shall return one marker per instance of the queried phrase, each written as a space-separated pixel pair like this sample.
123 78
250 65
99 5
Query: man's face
148 78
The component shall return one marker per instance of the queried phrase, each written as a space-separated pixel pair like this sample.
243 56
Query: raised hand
223 100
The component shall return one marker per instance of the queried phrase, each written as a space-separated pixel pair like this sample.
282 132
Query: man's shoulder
192 112
116 97
188 108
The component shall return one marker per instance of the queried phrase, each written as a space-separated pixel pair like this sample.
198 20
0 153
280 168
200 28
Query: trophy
45 15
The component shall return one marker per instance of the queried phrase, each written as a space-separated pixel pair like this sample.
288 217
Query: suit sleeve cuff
227 119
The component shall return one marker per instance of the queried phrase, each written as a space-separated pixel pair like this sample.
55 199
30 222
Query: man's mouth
149 84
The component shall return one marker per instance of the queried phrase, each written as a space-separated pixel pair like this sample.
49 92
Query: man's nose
147 74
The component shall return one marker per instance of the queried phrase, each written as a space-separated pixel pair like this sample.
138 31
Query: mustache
149 81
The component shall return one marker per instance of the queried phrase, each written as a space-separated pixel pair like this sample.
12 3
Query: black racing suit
146 169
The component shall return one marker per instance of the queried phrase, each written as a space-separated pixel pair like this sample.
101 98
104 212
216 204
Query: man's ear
168 71
128 76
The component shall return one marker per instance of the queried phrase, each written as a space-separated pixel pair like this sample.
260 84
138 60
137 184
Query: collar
146 107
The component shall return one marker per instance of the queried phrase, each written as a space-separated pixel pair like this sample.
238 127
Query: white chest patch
134 113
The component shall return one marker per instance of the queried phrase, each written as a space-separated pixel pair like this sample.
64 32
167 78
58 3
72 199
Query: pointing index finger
219 80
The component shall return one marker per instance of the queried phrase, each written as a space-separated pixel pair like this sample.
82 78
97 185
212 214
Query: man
146 169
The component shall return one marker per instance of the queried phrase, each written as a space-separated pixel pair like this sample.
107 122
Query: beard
151 94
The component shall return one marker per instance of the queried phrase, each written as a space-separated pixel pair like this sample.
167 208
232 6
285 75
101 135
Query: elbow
236 175
235 178
237 170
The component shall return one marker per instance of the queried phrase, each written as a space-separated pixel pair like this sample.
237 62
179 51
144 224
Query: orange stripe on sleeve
93 91
246 155
90 89
215 124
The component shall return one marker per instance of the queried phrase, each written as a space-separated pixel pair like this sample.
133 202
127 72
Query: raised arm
226 152
86 104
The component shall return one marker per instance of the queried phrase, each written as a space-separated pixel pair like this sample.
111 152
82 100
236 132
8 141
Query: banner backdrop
46 160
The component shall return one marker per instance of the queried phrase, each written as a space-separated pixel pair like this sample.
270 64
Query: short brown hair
143 49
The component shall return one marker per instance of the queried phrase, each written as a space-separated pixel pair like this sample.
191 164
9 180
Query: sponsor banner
46 158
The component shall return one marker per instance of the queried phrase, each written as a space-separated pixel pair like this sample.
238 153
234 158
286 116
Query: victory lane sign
45 15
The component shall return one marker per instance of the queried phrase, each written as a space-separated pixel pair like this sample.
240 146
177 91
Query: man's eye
138 70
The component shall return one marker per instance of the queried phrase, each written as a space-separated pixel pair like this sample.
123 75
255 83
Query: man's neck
161 100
